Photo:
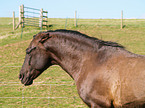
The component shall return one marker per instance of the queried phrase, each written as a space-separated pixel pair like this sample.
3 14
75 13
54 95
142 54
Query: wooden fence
32 17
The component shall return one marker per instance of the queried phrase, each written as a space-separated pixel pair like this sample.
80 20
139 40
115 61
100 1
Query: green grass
54 82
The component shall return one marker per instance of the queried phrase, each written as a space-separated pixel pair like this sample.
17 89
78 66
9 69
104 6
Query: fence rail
32 8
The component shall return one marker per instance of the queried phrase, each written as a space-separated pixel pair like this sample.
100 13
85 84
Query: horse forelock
38 34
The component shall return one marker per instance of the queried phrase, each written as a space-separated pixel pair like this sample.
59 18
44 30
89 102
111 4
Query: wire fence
59 94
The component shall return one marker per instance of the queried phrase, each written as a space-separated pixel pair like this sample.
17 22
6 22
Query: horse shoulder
93 86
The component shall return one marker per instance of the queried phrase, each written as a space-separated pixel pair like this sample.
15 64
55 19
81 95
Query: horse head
37 59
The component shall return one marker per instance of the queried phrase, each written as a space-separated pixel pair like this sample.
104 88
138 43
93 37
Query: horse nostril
21 77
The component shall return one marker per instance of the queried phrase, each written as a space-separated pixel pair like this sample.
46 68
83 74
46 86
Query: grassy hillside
54 82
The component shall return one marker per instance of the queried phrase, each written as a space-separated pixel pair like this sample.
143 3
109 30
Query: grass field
54 82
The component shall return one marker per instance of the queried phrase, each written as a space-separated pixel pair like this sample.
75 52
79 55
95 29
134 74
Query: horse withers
106 75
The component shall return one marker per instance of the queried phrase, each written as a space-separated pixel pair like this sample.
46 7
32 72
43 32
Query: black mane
78 34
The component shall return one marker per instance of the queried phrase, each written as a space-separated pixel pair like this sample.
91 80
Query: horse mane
81 36
96 40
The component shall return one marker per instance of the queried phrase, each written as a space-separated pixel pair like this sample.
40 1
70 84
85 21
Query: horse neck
66 56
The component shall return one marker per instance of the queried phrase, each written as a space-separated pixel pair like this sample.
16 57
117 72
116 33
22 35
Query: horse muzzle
25 80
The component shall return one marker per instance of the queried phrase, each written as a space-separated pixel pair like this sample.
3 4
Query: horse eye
28 50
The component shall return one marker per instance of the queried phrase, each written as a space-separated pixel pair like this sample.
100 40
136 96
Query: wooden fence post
75 20
22 17
122 19
19 17
13 20
46 19
65 23
41 19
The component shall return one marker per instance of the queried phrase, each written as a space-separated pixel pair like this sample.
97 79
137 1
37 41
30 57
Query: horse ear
44 37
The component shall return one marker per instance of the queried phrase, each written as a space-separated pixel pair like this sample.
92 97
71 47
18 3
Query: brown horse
106 75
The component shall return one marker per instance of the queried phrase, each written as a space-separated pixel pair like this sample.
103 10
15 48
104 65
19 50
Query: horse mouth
26 81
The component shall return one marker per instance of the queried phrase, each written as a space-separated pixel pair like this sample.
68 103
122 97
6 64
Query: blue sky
84 8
